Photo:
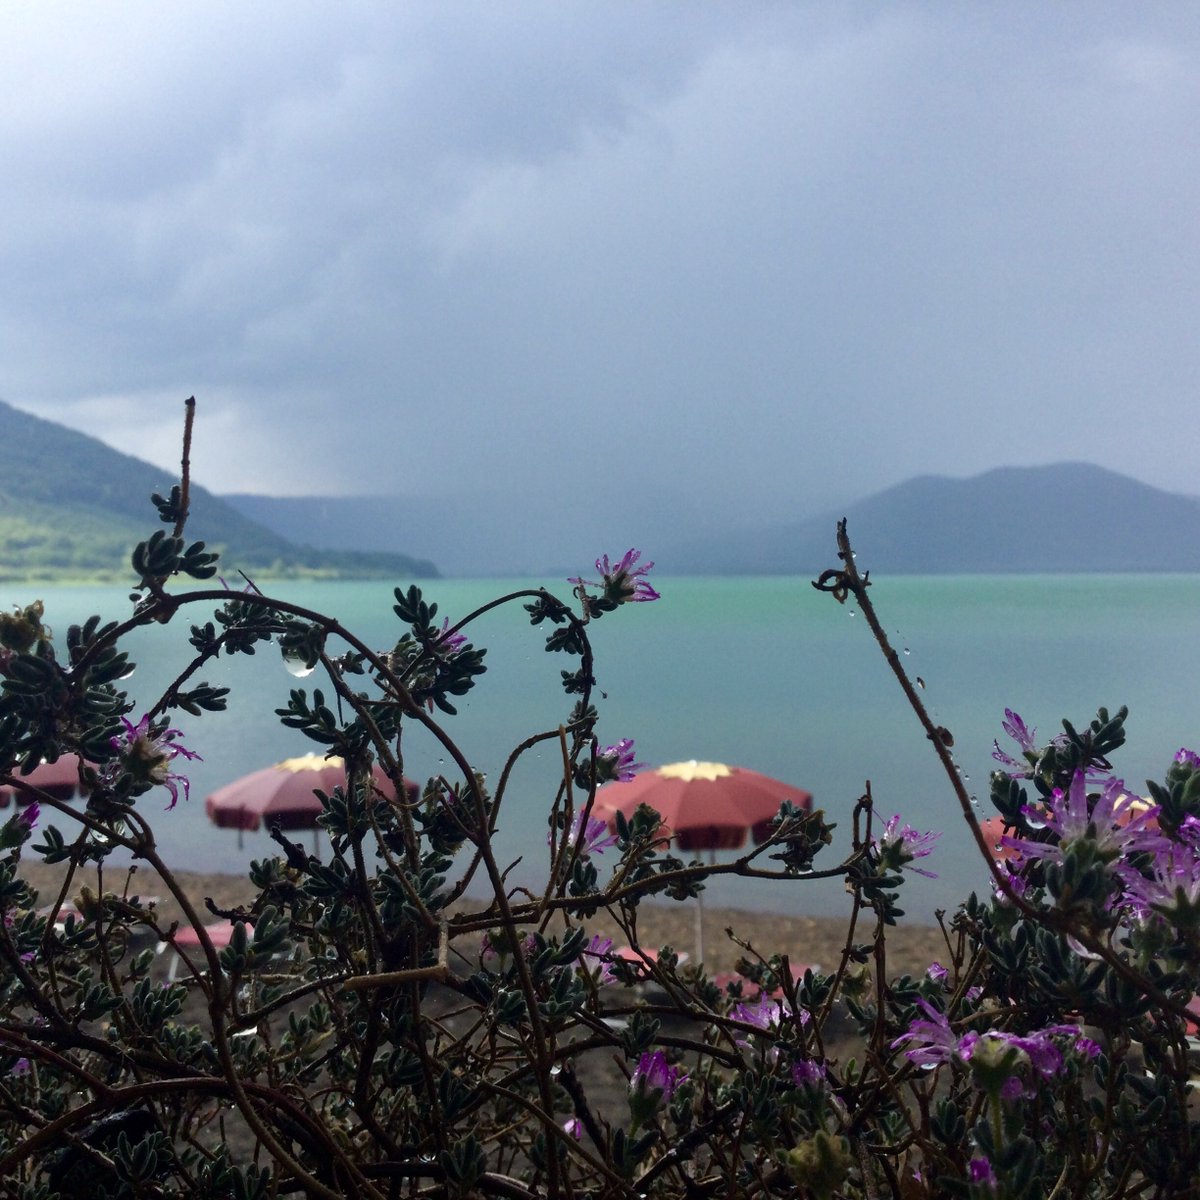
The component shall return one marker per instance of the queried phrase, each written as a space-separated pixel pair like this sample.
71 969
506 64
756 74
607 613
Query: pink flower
931 1042
448 642
900 847
1170 884
599 948
654 1074
147 756
979 1170
808 1073
622 582
762 1014
1117 823
617 762
596 838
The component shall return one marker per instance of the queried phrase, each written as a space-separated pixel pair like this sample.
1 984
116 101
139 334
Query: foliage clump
366 1033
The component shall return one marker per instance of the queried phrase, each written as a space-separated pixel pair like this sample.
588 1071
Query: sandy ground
817 941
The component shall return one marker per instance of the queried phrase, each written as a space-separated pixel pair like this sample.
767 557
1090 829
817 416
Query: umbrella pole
240 837
699 929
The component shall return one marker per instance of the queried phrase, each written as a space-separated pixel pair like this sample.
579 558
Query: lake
763 672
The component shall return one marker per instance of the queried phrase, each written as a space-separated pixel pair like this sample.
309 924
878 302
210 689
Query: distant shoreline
809 940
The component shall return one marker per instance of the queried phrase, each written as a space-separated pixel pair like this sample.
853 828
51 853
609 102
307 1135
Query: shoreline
816 941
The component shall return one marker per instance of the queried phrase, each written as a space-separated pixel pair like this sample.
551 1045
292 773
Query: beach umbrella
59 779
704 806
284 794
992 829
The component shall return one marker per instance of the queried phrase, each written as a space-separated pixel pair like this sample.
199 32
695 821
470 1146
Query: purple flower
1044 1056
147 756
762 1014
1189 830
29 815
807 1073
249 589
931 1041
654 1074
617 762
1117 823
497 944
596 838
573 1127
979 1170
1171 886
599 948
1187 758
898 848
937 973
623 582
447 642
1023 736
1016 729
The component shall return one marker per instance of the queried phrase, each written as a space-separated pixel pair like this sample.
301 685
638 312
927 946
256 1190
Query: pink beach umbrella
59 779
284 795
704 806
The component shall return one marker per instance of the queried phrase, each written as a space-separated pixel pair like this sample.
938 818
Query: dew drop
907 650
297 664
920 683
555 1071
853 613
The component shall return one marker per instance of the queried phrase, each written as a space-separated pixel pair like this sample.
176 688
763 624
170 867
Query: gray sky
733 256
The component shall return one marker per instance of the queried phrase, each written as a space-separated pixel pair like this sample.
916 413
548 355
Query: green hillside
73 508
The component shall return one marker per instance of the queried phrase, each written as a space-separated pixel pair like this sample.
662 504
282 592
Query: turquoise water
766 673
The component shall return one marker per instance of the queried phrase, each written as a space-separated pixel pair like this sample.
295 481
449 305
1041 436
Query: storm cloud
733 261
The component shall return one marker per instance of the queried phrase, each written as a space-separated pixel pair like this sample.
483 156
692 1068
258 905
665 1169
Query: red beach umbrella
704 805
59 779
285 794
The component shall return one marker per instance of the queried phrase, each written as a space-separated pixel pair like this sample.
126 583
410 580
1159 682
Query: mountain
526 528
72 506
1063 518
1069 517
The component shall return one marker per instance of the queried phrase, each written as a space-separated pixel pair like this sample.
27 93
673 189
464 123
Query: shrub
365 1033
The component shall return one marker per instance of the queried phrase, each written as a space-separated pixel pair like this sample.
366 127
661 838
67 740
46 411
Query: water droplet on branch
297 664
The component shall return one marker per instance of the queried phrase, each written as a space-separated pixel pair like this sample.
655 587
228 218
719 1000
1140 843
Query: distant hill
70 506
1063 518
1070 517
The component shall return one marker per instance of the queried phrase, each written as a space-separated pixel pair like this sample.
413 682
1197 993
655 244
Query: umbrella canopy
285 794
59 779
705 805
